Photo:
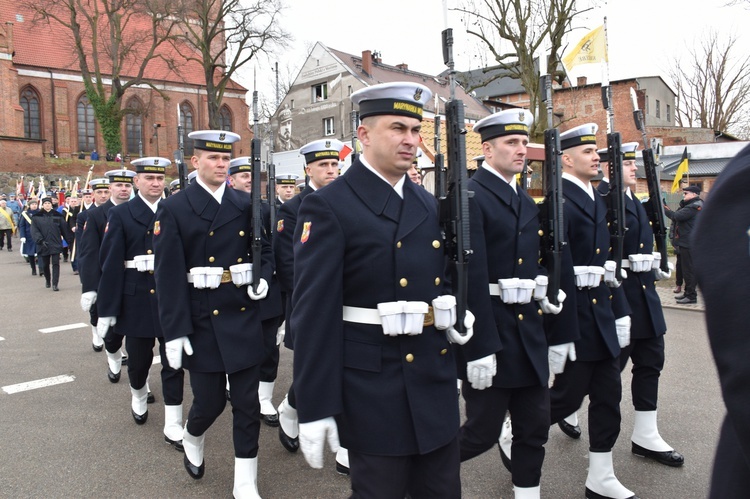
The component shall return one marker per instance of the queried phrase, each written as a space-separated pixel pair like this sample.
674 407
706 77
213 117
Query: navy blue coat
124 293
90 242
81 217
223 324
587 316
505 244
358 244
24 230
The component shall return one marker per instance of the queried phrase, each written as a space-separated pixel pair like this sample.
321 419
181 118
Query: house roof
50 46
384 73
698 167
473 142
489 82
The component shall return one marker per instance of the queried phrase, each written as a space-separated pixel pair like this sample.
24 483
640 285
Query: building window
328 127
134 128
186 120
86 125
658 108
669 113
31 114
225 119
319 92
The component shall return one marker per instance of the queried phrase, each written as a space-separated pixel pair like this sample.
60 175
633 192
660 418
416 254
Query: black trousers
731 472
678 270
32 262
434 475
688 274
270 366
209 400
55 261
529 409
5 236
647 355
600 380
140 357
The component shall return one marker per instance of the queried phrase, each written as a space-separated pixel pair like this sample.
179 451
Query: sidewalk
668 299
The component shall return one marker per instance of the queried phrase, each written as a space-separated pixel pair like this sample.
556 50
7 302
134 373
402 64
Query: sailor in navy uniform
271 307
127 297
286 188
646 348
587 333
369 363
208 310
504 273
121 187
95 194
321 168
721 252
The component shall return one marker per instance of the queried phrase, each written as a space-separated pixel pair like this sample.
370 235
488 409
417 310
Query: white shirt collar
513 184
399 187
152 206
587 188
218 194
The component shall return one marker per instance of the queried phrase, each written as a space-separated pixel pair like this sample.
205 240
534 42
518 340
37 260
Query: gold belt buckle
429 318
226 277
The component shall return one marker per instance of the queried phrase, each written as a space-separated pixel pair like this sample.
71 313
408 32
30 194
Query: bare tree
525 26
224 35
713 86
109 40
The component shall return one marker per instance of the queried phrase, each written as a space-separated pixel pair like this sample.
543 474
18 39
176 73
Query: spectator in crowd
48 229
685 218
7 226
28 247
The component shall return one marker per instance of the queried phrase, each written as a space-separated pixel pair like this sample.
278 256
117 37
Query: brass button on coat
242 309
216 312
437 281
520 317
539 311
443 351
152 291
242 233
403 282
148 252
211 259
541 232
398 244
239 260
520 261
409 357
211 233
436 244
593 301
598 251
640 245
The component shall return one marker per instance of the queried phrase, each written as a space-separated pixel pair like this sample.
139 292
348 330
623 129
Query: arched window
31 114
86 125
225 119
134 127
186 118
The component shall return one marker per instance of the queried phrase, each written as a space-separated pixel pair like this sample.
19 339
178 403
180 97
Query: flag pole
606 88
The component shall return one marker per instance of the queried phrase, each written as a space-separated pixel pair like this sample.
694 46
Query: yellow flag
681 170
591 49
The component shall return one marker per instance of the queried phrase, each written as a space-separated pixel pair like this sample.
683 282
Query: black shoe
289 443
47 285
150 399
341 469
270 419
570 430
193 470
65 259
176 443
670 457
55 288
113 377
33 271
686 301
97 348
10 249
139 419
41 274
590 494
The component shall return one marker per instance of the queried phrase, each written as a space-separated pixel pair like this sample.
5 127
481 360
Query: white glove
174 349
87 299
623 331
549 308
659 274
103 324
455 337
481 371
23 240
312 438
280 333
559 354
262 290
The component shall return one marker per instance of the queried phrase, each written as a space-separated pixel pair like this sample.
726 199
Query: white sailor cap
151 164
99 183
191 176
243 164
214 140
399 98
286 179
319 150
603 155
174 184
507 122
628 150
580 135
120 176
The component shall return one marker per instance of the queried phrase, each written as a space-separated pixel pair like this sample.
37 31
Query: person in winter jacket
28 246
48 229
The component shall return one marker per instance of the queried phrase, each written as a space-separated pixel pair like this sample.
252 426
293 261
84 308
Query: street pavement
77 438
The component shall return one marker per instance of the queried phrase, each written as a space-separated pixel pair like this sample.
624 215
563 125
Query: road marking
40 383
57 329
2 339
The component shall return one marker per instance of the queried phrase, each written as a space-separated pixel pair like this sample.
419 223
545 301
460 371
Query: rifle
654 206
454 207
553 238
440 190
179 154
616 196
256 245
271 196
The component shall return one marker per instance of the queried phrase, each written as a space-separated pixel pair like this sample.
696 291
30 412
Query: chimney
582 81
403 66
367 62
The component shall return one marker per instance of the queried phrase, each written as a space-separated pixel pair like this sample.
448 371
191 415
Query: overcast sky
644 35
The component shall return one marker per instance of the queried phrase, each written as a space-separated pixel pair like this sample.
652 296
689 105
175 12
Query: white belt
494 289
625 264
362 315
225 278
130 264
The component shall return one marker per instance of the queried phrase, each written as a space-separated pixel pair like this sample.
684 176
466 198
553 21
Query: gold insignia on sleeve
157 228
305 232
280 225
